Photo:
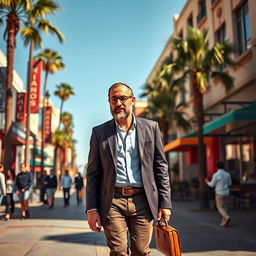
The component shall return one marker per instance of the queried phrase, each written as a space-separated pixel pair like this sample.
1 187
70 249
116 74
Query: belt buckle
123 191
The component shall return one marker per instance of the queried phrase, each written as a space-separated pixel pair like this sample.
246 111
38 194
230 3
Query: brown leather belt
128 191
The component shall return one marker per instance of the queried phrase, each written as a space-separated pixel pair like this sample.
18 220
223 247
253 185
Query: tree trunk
61 107
43 111
12 27
29 78
202 169
56 148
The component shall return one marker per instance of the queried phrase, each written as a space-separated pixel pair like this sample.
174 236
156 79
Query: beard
120 115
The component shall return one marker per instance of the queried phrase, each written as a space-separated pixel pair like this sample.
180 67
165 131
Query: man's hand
94 221
164 213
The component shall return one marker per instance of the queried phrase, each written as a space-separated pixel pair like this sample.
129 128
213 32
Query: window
183 96
181 34
190 21
243 28
220 36
201 10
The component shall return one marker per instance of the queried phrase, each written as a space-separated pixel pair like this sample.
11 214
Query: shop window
201 10
243 28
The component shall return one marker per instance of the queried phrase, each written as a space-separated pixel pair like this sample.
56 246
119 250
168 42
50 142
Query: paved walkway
64 231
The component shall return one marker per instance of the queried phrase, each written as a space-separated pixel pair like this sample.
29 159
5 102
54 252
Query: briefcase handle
163 223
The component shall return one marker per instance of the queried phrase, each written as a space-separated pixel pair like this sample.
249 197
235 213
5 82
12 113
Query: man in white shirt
221 180
2 183
65 184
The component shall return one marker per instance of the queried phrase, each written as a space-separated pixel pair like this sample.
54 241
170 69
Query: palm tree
31 34
52 63
161 95
64 91
14 11
162 108
199 63
59 138
67 120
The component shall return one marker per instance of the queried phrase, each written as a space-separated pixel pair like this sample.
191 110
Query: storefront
231 138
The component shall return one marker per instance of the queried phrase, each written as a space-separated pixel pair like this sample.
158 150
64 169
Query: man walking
127 177
66 183
221 180
2 183
79 184
51 186
23 185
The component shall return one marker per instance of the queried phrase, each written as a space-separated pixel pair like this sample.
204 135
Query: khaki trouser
222 205
129 214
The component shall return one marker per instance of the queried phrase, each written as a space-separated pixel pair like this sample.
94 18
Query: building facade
230 118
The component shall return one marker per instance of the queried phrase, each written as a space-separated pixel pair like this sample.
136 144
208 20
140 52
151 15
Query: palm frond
29 34
49 28
224 78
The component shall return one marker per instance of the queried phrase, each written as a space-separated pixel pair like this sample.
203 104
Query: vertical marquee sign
20 107
35 86
47 124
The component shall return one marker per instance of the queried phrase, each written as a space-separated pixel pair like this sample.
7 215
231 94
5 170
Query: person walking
79 184
2 184
65 184
51 185
221 180
10 184
127 177
42 185
23 184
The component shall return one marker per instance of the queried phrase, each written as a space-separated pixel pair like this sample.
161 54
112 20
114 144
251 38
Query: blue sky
105 42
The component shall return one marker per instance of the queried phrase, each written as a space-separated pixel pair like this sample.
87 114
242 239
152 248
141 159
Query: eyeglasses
123 99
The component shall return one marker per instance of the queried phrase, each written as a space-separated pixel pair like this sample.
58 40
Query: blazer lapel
111 135
140 137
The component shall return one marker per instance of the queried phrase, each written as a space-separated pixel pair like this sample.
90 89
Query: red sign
20 107
35 86
48 124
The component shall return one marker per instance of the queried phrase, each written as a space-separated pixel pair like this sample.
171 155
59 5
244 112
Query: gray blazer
102 162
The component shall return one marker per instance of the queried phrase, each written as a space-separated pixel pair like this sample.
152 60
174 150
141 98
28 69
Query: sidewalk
64 231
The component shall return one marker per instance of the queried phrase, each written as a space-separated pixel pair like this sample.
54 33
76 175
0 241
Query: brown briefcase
167 239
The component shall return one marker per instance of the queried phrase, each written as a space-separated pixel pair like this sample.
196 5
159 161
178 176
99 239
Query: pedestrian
127 177
79 184
51 185
2 183
66 183
23 185
221 180
9 202
42 186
